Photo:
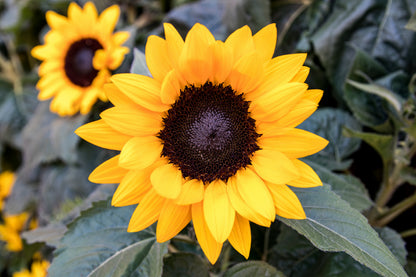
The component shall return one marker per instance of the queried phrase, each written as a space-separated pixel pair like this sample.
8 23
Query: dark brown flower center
78 62
208 133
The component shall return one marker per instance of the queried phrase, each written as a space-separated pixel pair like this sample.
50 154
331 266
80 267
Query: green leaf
328 123
394 99
55 137
255 14
139 65
52 233
293 254
411 268
253 268
342 265
394 242
297 257
411 24
184 265
332 225
367 108
98 244
375 27
210 13
383 144
348 187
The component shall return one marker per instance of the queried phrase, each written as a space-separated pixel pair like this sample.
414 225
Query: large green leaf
253 268
98 244
332 225
367 108
52 233
328 123
348 187
374 26
297 257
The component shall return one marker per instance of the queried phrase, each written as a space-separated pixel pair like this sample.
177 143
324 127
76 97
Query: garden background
362 53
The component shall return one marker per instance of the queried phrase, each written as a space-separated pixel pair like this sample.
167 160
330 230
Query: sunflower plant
208 138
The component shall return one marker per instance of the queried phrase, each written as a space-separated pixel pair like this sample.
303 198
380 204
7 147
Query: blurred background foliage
362 53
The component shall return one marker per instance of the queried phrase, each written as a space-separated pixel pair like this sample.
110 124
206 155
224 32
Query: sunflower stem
408 233
266 245
11 69
396 210
226 258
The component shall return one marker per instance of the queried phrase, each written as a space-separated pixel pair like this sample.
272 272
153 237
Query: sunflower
6 184
210 137
78 55
39 268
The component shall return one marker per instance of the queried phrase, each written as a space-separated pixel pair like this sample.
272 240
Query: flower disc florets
208 132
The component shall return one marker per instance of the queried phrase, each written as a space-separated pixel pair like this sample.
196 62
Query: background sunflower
78 55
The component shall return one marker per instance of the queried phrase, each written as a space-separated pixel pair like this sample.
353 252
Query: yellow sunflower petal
133 188
90 18
273 166
265 41
157 57
74 11
218 212
283 69
314 95
49 80
167 181
192 192
49 66
222 61
143 90
120 37
195 62
147 212
132 122
108 18
88 99
298 114
294 143
118 98
308 177
140 152
98 132
241 206
286 202
279 71
254 192
108 172
278 102
302 75
172 219
241 41
240 236
175 43
117 56
246 74
55 20
209 245
171 88
49 91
